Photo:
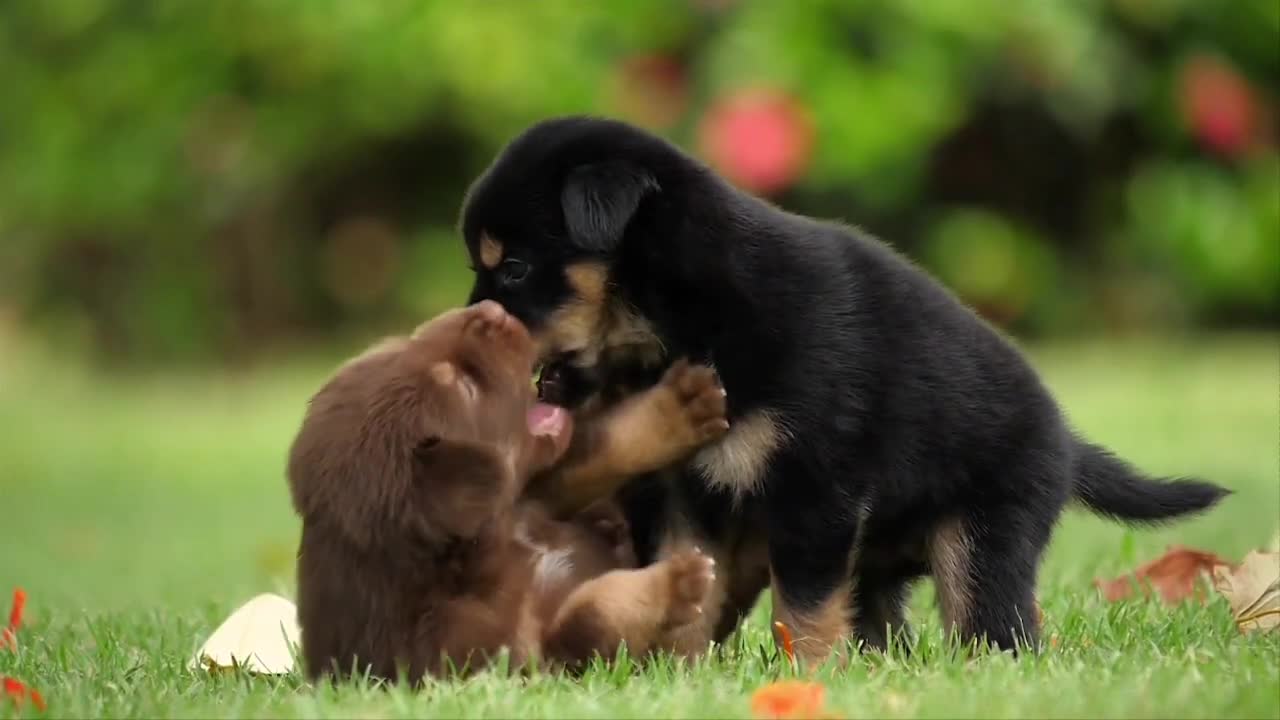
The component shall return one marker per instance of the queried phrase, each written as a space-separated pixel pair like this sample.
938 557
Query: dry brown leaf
259 637
1253 590
1173 576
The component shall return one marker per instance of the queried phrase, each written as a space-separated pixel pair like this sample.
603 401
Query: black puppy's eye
512 271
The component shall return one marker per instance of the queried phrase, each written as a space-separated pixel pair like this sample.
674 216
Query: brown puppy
418 548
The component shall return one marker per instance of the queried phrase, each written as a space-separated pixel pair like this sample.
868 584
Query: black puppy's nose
551 385
561 383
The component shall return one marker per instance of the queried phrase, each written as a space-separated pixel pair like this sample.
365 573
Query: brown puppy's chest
560 555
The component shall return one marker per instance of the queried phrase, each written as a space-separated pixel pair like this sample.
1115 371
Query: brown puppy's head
545 227
425 438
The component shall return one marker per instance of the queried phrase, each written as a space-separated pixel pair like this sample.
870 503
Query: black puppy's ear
599 201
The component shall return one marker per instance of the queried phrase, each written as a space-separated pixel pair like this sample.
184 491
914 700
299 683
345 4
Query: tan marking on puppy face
949 552
589 281
491 251
818 632
576 324
738 461
593 320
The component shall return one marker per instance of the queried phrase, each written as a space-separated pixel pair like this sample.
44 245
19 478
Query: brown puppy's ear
461 486
599 201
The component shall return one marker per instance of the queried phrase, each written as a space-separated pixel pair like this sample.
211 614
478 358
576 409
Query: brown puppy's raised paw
696 404
690 577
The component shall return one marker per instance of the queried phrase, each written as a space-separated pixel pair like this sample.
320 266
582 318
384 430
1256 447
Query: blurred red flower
1218 104
19 694
760 138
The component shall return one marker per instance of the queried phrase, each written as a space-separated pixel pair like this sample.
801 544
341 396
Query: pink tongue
546 419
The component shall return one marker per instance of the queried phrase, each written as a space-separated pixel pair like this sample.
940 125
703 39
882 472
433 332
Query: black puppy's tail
1112 487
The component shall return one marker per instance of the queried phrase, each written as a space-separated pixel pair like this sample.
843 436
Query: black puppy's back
883 427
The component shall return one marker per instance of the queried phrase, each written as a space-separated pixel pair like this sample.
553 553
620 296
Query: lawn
138 512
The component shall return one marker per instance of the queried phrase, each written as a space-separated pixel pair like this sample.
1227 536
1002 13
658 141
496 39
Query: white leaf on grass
260 637
1253 589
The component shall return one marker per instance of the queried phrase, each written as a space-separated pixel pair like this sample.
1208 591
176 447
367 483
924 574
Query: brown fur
419 549
948 556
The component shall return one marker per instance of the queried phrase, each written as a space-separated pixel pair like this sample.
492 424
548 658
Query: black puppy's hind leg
878 602
984 567
811 538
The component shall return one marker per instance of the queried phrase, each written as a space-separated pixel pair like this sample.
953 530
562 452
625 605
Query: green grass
138 513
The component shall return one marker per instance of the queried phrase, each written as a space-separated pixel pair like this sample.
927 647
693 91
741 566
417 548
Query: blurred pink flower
760 138
1218 104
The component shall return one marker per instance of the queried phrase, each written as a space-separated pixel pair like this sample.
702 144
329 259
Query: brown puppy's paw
697 404
690 575
490 322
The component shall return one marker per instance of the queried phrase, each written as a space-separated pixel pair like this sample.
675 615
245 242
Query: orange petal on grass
788 699
19 693
784 637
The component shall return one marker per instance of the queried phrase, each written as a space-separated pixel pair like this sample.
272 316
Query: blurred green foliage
183 180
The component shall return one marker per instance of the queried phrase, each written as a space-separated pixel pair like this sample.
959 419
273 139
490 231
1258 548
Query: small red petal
784 634
19 604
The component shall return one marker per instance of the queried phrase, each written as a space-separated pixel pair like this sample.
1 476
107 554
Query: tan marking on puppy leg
818 632
949 551
738 461
491 251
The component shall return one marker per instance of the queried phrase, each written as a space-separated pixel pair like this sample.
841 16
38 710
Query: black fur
904 409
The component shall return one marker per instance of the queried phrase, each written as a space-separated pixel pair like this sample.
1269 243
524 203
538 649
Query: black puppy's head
547 226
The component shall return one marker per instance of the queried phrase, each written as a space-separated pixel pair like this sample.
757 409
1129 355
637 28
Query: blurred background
203 205
205 182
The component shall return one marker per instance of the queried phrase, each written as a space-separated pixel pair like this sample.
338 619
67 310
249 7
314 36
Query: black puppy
881 431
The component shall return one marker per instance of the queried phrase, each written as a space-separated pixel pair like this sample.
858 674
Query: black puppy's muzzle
566 385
